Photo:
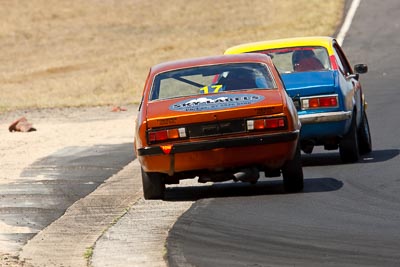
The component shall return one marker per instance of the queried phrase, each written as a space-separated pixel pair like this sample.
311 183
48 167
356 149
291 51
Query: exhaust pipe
250 175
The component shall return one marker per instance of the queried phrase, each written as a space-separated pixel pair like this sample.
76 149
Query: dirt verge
56 129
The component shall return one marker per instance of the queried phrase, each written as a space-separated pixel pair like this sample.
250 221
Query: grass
88 254
84 53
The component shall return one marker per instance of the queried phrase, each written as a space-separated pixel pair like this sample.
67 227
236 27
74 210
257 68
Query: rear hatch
301 84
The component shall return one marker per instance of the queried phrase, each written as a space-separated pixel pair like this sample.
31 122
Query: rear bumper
268 150
222 143
325 117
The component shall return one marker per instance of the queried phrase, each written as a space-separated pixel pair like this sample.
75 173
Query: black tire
364 136
292 172
348 146
153 185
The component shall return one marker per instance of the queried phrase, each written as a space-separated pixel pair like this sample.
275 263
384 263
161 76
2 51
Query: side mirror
361 68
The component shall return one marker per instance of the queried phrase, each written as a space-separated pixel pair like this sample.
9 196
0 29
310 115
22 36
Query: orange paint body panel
215 131
215 159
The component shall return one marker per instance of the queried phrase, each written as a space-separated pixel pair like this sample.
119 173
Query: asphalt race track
52 184
348 214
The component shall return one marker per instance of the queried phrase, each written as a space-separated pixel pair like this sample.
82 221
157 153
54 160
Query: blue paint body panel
306 84
324 130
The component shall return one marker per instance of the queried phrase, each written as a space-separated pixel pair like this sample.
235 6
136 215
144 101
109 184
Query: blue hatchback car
325 89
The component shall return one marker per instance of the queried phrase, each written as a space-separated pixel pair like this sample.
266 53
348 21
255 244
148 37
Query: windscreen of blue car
299 59
211 79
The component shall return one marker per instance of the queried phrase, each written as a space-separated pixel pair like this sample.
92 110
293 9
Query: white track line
347 22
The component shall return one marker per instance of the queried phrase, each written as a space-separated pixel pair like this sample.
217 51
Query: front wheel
292 172
364 136
153 185
348 146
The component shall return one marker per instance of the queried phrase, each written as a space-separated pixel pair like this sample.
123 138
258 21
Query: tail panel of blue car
323 130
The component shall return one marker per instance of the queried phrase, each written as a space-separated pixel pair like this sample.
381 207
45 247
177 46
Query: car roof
210 60
323 41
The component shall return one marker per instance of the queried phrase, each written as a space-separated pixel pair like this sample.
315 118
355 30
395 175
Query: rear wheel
153 185
364 136
348 146
292 172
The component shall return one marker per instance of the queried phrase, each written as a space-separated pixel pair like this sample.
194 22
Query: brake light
330 101
266 124
275 123
166 134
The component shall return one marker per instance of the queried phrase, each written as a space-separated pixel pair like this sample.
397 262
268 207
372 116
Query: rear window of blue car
211 79
299 59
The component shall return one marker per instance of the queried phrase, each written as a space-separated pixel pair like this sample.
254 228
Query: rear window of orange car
211 79
299 59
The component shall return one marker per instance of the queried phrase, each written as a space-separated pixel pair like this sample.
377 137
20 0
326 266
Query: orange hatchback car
216 119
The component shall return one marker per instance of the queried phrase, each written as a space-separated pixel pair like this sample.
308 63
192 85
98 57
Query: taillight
266 124
330 101
166 134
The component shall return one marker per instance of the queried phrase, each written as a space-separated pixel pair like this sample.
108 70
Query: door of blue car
349 84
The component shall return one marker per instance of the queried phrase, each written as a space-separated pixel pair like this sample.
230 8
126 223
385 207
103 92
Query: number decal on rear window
213 88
